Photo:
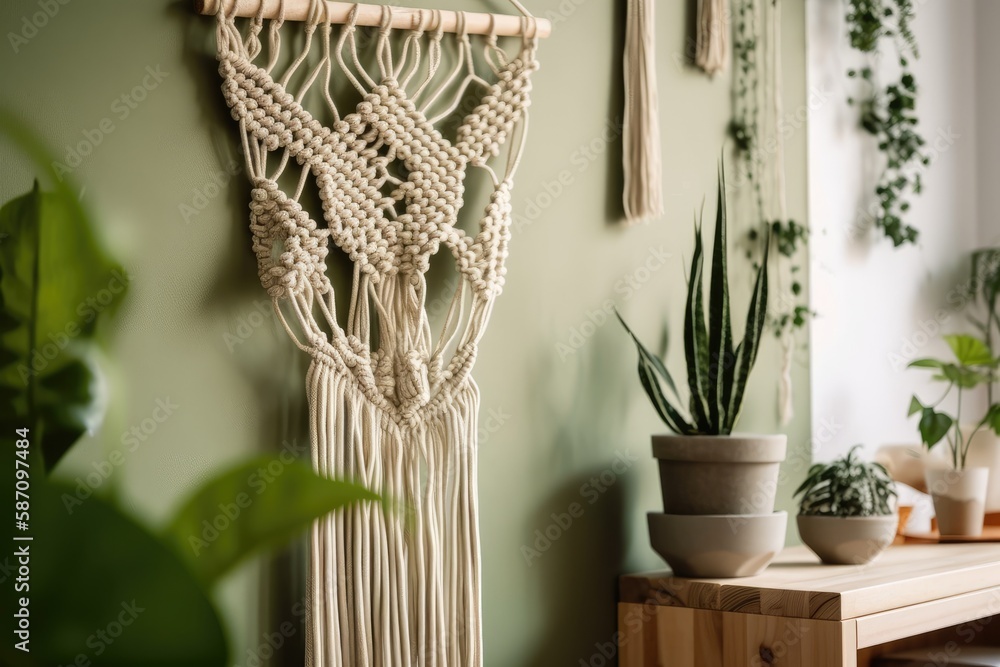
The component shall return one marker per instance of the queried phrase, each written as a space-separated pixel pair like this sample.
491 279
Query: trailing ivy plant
847 486
788 239
717 371
787 236
888 112
746 83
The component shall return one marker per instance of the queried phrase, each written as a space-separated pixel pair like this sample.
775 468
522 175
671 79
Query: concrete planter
720 475
959 499
984 452
847 540
717 546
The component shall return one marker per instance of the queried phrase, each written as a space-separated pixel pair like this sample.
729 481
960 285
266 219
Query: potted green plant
705 470
959 491
846 515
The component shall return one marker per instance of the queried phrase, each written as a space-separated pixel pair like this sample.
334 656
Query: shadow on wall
576 545
614 210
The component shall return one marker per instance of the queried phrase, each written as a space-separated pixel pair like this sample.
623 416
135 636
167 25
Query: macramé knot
412 386
280 227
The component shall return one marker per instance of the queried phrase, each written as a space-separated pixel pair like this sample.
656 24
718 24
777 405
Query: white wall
879 306
987 118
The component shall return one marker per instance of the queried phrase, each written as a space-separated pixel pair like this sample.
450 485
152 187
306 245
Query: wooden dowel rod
403 18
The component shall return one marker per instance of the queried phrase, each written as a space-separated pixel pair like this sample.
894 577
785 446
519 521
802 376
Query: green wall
560 401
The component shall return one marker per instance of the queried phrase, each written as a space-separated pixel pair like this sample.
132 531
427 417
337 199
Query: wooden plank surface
666 590
797 585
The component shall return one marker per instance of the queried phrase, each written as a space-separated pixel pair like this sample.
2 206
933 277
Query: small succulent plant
847 486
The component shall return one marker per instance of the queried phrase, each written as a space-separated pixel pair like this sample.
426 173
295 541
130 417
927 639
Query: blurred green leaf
262 503
992 418
969 350
104 588
925 363
55 282
963 376
915 406
101 589
934 426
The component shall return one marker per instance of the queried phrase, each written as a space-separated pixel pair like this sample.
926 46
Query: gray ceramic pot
847 540
726 474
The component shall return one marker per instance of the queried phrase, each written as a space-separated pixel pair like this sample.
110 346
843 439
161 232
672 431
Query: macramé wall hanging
390 405
711 45
642 159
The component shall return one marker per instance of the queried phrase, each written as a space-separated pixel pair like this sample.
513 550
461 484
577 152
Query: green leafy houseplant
847 486
973 366
717 371
94 561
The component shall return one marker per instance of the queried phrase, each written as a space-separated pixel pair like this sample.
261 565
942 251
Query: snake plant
717 372
847 486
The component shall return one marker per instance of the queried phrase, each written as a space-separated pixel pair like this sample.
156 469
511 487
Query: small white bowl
717 545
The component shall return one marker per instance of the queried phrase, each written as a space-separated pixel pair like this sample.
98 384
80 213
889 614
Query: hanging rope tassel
641 156
712 40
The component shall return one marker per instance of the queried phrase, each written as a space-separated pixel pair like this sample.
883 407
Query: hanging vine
788 236
757 133
889 113
745 123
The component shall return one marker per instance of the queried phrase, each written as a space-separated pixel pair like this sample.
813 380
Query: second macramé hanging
391 405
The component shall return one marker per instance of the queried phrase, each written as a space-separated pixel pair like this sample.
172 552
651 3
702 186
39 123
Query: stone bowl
848 540
717 545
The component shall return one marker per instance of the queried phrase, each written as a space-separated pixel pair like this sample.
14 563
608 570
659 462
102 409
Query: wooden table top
797 585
